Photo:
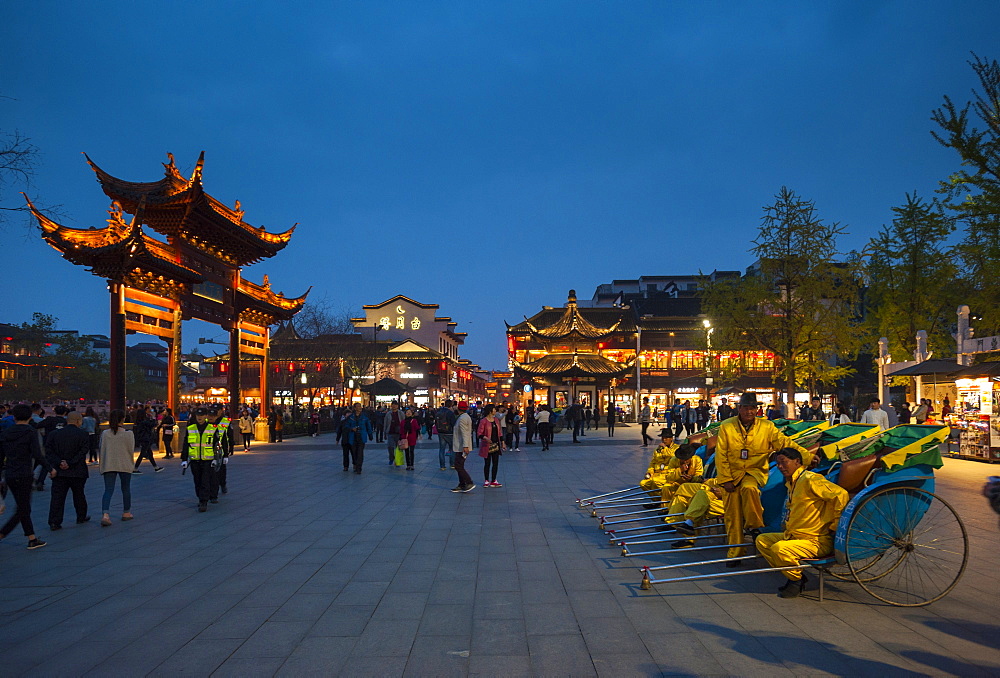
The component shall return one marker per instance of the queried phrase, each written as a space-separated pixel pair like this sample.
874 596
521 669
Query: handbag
399 458
403 443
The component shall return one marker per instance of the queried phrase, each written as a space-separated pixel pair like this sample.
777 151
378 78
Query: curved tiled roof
573 365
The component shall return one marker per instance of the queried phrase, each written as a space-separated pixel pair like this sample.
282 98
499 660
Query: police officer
226 442
201 452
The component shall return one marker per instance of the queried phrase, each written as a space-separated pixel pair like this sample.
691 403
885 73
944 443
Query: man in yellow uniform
685 467
696 501
812 512
654 478
744 445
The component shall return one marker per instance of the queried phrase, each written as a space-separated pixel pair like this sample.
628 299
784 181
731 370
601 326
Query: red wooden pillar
117 358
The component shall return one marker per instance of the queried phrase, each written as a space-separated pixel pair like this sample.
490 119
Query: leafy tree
799 301
909 274
972 193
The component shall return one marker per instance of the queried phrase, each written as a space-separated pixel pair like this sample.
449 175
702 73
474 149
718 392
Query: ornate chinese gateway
195 273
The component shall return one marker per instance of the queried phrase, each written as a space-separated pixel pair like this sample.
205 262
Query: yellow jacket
693 467
661 457
813 507
760 441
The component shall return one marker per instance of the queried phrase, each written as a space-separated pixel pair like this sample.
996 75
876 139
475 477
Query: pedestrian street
302 569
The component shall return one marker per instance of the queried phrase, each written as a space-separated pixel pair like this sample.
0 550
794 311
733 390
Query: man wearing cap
463 445
744 444
200 451
225 441
655 478
812 512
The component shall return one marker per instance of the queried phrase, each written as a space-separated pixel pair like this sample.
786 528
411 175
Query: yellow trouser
781 552
667 493
652 486
742 510
695 502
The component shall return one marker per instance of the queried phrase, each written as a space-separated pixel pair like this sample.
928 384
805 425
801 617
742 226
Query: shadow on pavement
800 650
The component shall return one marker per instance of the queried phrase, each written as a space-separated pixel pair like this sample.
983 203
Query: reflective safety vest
222 426
201 446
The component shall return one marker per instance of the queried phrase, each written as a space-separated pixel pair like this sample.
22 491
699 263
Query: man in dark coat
66 451
19 454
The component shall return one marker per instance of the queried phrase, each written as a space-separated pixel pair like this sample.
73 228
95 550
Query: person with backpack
444 421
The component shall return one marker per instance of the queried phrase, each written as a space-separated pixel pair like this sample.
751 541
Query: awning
991 369
927 368
387 387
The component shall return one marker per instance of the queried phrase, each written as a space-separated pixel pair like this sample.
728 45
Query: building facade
635 338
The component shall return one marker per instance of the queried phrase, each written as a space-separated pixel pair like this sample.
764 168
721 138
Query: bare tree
18 157
320 317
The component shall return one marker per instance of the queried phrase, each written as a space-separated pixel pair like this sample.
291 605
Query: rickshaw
899 541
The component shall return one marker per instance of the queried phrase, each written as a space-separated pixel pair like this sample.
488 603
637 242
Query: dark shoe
35 544
55 527
357 470
684 529
457 489
224 490
752 532
682 544
81 521
137 472
665 528
650 507
202 508
346 468
157 469
213 501
733 564
792 589
470 488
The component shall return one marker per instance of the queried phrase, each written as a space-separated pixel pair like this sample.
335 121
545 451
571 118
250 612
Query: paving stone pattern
303 569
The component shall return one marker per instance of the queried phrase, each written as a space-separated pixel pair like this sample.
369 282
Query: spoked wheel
906 546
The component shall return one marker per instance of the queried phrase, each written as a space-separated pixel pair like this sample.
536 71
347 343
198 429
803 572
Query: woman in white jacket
117 450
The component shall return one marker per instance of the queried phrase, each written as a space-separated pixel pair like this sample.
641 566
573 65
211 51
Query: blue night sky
483 156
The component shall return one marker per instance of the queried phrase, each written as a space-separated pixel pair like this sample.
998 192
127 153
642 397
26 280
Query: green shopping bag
400 458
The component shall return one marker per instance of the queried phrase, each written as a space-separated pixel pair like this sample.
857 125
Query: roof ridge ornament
199 168
170 168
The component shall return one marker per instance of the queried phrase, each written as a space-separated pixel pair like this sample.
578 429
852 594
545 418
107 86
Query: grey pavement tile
497 580
622 665
73 659
543 592
386 638
343 620
318 656
595 604
456 645
550 619
274 639
303 607
252 667
362 593
499 637
509 665
453 592
401 606
412 582
376 667
240 621
443 620
560 655
497 562
740 663
436 666
611 635
498 605
199 656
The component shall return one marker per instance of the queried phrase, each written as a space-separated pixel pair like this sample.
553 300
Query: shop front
975 414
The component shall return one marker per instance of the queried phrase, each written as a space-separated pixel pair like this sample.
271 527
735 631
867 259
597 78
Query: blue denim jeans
445 440
109 489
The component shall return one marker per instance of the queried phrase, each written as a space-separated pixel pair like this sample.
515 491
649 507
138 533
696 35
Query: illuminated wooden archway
196 273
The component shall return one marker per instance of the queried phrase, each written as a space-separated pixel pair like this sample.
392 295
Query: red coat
410 430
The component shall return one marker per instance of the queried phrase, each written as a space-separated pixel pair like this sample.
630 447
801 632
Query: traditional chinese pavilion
194 273
564 350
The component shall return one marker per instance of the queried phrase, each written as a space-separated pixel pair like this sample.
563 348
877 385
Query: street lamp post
709 380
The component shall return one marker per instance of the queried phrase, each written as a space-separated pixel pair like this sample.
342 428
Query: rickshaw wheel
906 546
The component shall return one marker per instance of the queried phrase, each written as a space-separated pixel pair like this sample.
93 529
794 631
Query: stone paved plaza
305 570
